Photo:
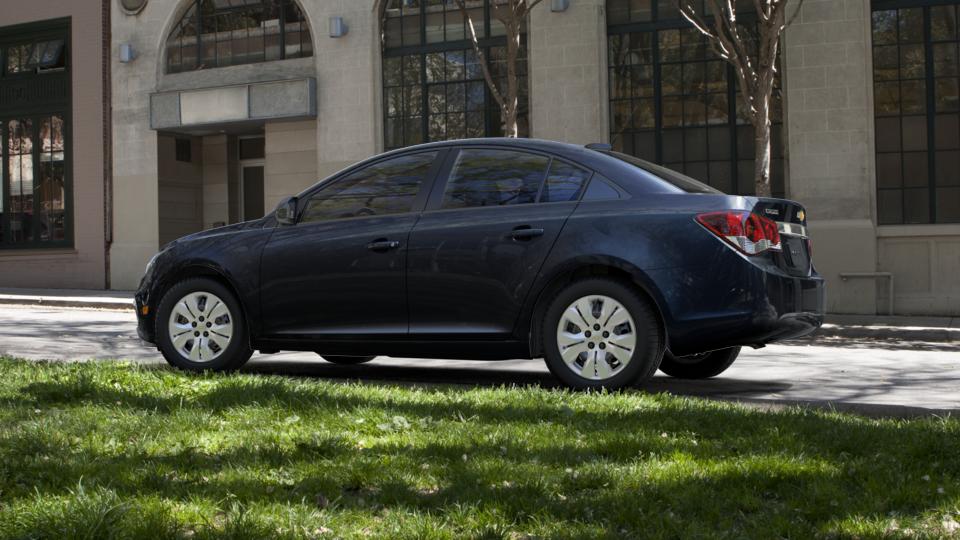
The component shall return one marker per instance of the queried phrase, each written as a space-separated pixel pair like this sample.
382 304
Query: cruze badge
772 211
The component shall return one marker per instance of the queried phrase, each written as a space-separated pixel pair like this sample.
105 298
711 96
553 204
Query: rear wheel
200 327
600 333
699 366
347 360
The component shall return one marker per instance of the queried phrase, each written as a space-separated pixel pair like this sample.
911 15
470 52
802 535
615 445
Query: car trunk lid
795 257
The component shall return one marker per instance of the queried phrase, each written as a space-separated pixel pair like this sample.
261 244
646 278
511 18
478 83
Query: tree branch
481 58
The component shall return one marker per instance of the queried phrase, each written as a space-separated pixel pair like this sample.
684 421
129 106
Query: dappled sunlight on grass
129 451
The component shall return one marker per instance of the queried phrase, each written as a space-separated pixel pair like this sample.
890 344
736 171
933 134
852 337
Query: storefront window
34 169
433 85
220 33
917 110
673 102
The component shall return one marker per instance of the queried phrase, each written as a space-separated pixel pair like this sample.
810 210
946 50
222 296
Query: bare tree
756 75
512 14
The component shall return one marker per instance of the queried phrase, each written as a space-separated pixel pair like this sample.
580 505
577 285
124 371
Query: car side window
491 177
600 190
384 188
564 183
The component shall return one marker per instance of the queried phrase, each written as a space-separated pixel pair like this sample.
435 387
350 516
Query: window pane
943 23
948 168
947 130
889 171
911 25
51 190
916 205
916 169
252 148
885 27
384 188
948 204
232 33
563 183
888 134
20 187
890 206
483 177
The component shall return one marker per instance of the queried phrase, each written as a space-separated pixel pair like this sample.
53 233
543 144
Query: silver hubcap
596 337
200 327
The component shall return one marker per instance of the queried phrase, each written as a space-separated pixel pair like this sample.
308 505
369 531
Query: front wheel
699 366
347 360
200 327
601 333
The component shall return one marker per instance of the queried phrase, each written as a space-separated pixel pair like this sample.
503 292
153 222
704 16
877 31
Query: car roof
626 176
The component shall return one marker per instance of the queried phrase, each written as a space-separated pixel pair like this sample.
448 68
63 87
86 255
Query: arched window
219 33
433 86
673 102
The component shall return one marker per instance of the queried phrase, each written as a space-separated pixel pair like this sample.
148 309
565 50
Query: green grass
105 450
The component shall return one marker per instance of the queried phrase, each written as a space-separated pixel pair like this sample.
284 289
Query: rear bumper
753 305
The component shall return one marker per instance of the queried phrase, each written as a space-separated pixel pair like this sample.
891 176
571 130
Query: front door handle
383 245
525 233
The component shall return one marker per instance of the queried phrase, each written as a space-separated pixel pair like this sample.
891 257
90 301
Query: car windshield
680 181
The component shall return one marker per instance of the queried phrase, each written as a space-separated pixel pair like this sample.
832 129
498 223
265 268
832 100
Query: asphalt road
872 377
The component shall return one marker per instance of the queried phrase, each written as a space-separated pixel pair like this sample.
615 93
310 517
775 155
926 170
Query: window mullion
35 157
931 114
5 237
657 98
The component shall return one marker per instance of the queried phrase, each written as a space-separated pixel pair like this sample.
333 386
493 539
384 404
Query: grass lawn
107 450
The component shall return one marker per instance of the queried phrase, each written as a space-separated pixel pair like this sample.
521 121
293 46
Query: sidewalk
933 329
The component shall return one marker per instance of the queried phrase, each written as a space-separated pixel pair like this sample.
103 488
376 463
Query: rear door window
564 183
494 177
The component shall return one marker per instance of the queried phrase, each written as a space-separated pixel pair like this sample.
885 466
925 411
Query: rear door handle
383 245
525 233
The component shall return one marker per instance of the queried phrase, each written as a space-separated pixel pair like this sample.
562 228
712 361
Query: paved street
875 377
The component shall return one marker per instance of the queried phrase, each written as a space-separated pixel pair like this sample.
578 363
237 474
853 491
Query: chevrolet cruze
606 266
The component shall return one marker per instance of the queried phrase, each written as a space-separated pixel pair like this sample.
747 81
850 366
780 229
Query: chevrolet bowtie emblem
801 215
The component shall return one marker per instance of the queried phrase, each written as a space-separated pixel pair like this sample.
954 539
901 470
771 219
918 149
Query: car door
475 251
340 270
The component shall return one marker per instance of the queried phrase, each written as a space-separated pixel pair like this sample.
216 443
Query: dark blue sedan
607 266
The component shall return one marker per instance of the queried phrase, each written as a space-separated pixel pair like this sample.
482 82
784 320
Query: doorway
252 171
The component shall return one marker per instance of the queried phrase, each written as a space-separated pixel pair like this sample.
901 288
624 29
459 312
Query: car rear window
678 180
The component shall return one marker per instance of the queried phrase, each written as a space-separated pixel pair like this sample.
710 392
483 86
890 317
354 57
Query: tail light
749 233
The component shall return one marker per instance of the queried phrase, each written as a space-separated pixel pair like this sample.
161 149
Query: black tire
237 352
646 354
699 366
347 360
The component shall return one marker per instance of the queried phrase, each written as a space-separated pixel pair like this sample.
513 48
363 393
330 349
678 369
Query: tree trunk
511 99
761 169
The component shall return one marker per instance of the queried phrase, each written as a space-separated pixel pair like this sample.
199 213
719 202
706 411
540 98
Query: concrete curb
891 333
118 304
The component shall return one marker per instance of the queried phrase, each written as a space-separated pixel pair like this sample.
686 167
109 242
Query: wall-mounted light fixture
127 54
338 28
557 6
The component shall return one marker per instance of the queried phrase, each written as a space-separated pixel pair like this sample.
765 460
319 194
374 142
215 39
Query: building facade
220 108
54 128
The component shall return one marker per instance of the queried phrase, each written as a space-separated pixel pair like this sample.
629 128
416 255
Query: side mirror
286 212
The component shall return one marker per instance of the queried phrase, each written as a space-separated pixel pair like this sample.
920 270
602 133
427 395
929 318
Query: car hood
220 231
